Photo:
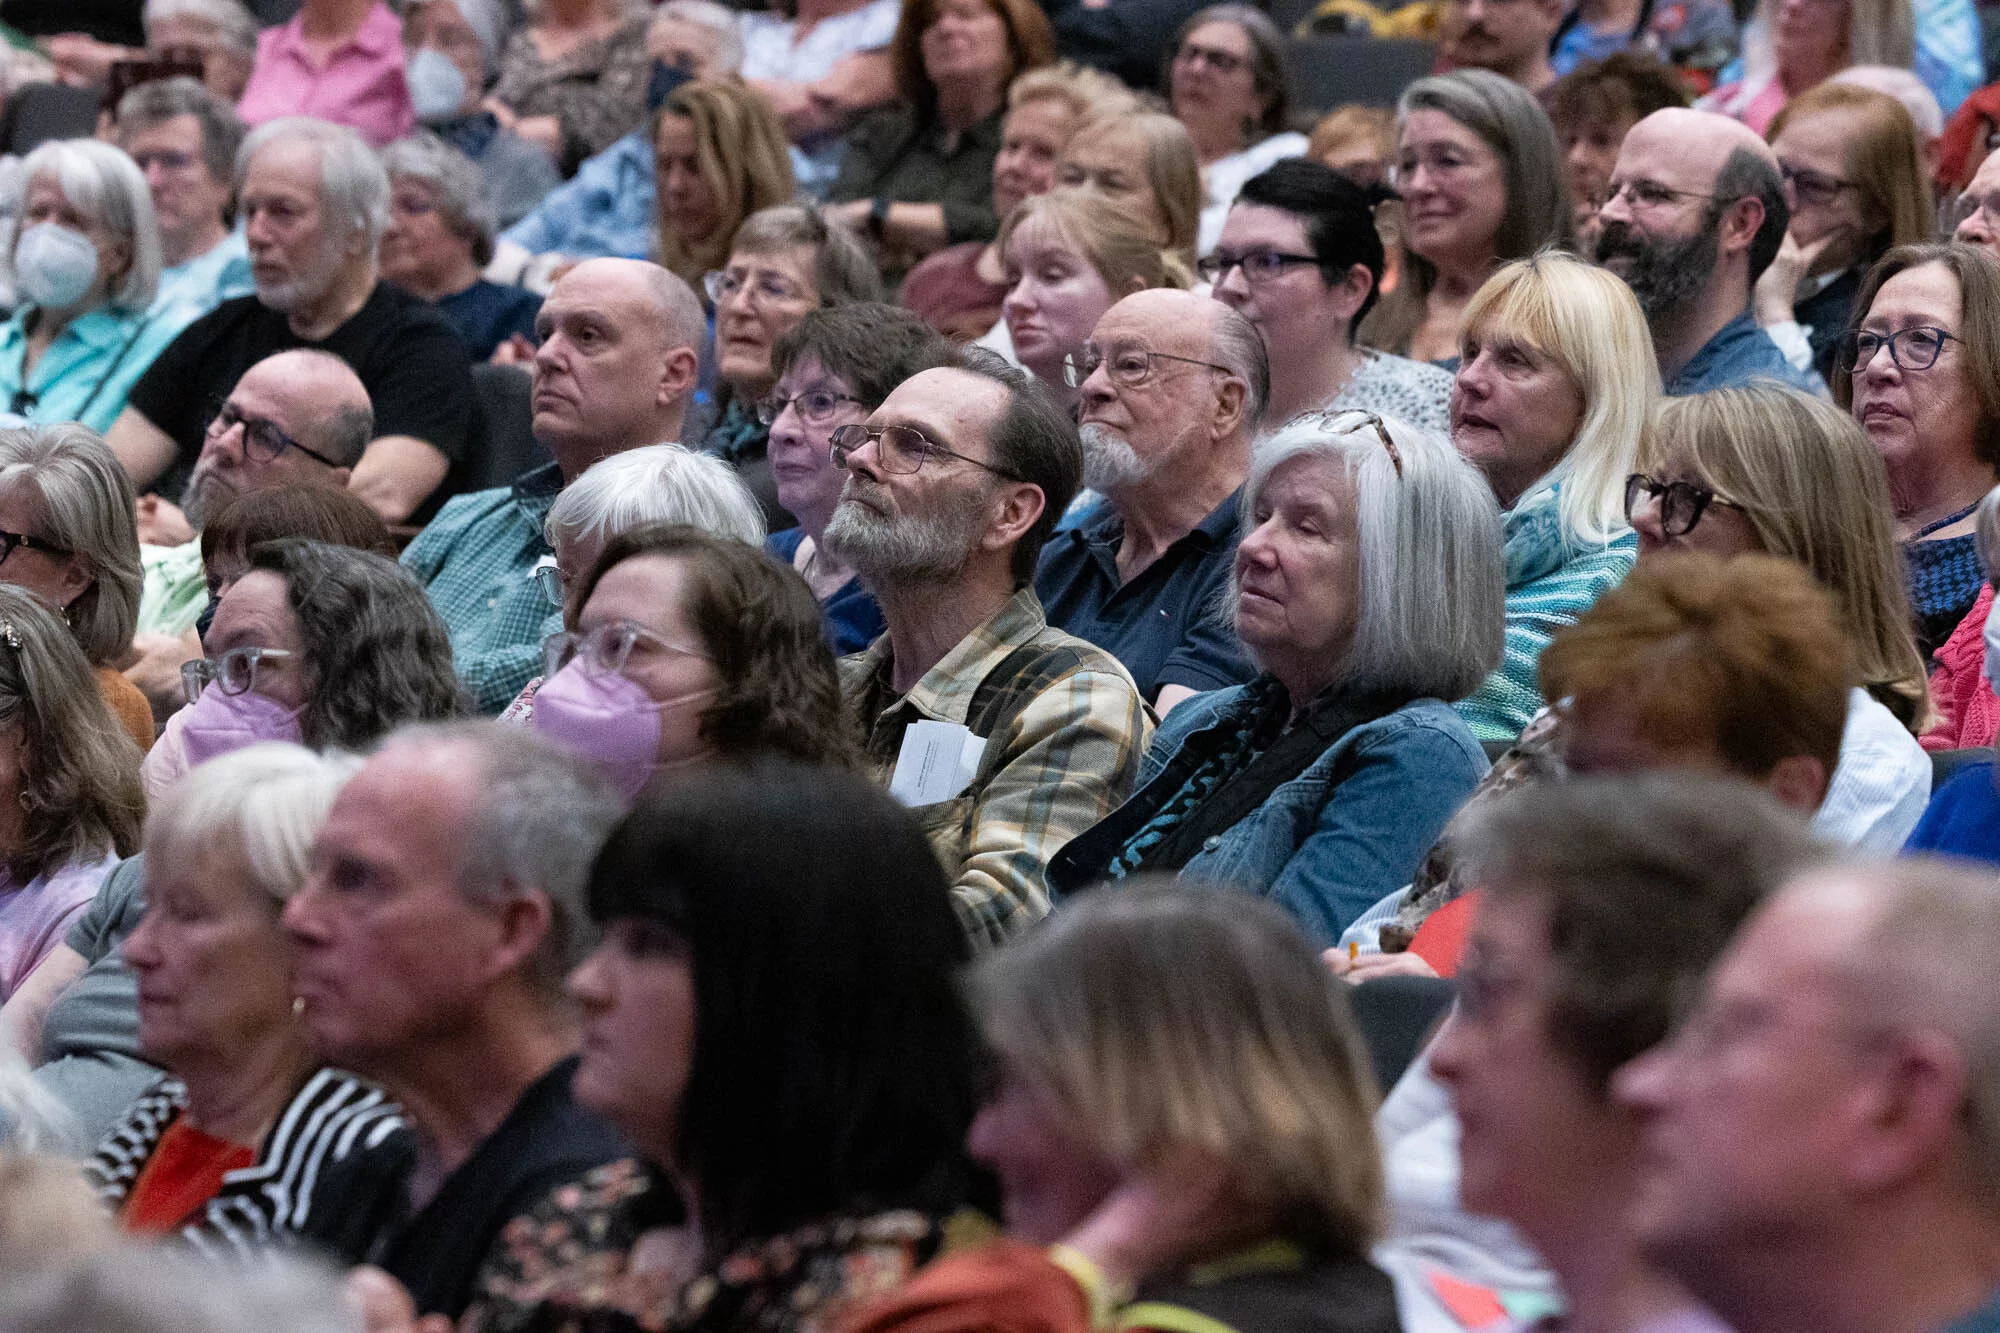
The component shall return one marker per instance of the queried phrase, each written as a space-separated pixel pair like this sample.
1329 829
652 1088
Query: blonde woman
1789 48
719 155
1154 1048
1146 164
1555 378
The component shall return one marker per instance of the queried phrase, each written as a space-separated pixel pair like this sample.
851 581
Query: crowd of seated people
934 666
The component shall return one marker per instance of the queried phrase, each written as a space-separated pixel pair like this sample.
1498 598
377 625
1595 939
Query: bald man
1696 212
620 346
1177 391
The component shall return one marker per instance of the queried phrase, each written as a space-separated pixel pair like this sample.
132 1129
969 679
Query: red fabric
1975 118
1968 714
184 1172
1007 1286
1440 940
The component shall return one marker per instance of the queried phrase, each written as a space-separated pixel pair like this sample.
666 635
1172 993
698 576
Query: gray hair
1234 342
83 502
1036 441
266 802
102 183
1514 125
843 270
485 19
1905 87
718 18
540 815
132 1288
163 100
234 23
1986 532
1749 175
1432 585
353 187
461 189
661 483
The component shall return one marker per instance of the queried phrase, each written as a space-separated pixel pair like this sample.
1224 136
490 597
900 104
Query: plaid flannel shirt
475 559
1064 762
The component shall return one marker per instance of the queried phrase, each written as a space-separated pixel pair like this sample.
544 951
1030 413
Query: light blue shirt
196 286
604 211
89 368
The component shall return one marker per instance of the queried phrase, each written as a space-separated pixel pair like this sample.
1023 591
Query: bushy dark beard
1666 276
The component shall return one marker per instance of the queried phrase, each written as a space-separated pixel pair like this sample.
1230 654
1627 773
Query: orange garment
1008 1286
184 1172
127 704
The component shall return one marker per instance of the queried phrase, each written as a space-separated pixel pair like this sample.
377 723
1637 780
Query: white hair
265 802
352 184
1433 590
134 1288
105 185
234 23
718 18
1905 87
661 483
485 19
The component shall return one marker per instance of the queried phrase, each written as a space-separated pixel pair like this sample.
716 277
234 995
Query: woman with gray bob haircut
1368 591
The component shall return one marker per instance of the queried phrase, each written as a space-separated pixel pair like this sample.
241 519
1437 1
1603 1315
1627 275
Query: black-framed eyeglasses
263 439
1811 187
815 406
1257 265
608 647
901 450
1682 503
14 541
1915 348
232 673
1128 367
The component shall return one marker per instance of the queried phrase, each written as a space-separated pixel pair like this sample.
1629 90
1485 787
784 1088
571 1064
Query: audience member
917 175
822 64
615 370
1300 257
1319 784
1481 179
1154 1047
1917 100
66 525
1604 902
153 1289
217 36
945 534
572 80
1696 38
1694 213
1166 440
1963 817
314 200
1771 470
1357 141
718 157
243 1106
1512 39
959 289
451 52
1229 83
783 262
443 909
1815 1138
1920 378
335 60
1979 224
834 367
50 1219
1856 188
1593 107
1145 163
439 236
1555 379
1967 711
1803 46
811 1133
86 264
1069 255
184 140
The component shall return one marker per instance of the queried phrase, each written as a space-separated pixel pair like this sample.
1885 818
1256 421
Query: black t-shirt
408 356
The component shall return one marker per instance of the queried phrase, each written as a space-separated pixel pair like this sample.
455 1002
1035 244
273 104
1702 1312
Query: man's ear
1019 505
1739 224
525 918
1232 404
678 374
1799 781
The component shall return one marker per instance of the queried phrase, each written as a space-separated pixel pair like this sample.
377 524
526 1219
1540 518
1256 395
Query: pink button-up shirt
361 85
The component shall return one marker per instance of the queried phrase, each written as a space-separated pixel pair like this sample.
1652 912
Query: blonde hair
1590 323
1375 125
1159 1019
1125 252
1173 173
1813 487
1088 93
1880 157
741 152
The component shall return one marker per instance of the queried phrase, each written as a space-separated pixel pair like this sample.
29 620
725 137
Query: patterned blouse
597 91
1395 386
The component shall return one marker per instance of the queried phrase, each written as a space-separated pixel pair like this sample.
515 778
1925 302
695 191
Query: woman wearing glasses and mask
1301 259
1320 783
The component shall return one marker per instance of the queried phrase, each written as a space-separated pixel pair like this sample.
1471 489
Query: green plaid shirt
1066 760
475 560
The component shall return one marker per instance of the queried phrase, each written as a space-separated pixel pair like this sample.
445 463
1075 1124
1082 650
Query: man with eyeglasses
1172 388
184 139
1008 737
1978 209
620 349
1695 214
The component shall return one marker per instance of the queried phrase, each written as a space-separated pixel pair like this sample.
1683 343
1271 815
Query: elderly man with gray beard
1173 386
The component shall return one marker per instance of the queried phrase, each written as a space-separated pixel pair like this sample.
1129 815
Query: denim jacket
1328 844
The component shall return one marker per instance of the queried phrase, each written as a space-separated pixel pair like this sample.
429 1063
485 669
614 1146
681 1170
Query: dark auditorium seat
1944 763
503 446
1397 1015
38 112
1330 71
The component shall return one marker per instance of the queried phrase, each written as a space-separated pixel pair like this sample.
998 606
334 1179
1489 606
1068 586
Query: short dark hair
1747 175
872 347
1035 440
779 691
1623 86
314 511
833 1068
1339 218
1644 878
377 655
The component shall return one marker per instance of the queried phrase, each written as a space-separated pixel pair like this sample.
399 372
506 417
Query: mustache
1617 240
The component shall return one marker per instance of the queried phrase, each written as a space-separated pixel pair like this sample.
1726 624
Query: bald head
1702 139
1185 324
621 343
320 400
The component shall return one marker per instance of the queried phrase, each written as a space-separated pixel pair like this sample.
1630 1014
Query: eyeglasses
1968 206
13 541
1257 265
166 159
608 647
1810 187
901 450
1354 419
762 288
1222 62
262 439
815 406
1128 366
232 673
1682 503
1641 193
1916 348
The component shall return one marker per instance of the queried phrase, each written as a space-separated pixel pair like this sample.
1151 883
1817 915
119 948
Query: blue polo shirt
1166 625
1738 353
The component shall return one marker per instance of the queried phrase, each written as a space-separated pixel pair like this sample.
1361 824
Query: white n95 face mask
437 86
54 266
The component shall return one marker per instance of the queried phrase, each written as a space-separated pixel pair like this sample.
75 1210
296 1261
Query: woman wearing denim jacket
1368 590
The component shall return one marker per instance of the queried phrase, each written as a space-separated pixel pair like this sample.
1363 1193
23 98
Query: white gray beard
905 549
1109 463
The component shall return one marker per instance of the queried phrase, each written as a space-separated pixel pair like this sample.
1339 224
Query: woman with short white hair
1321 783
86 264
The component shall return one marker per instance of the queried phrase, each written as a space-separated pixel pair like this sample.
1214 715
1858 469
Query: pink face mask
218 723
609 720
